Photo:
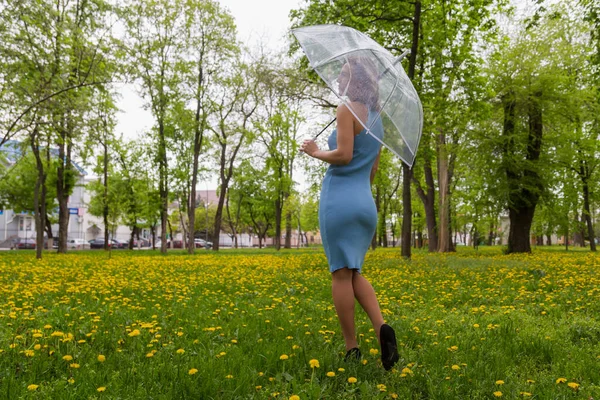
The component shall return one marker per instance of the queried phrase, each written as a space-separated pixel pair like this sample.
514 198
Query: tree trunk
288 231
105 205
406 172
278 208
519 240
406 212
39 199
377 206
184 228
219 213
200 121
548 240
384 240
523 200
444 242
163 186
490 240
49 233
62 188
131 239
153 233
586 212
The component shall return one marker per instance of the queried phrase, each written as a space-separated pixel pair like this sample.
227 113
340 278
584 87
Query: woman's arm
375 167
342 155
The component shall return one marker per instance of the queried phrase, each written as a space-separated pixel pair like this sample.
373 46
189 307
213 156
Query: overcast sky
257 20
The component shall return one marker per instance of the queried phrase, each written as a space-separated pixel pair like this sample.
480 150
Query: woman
347 213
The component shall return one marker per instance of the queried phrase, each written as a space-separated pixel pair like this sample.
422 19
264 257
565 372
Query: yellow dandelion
71 381
561 380
374 352
498 394
352 380
229 377
525 394
37 346
330 374
150 355
101 389
381 387
341 370
573 385
74 365
135 332
180 351
193 371
283 357
314 363
29 353
499 382
294 397
455 367
101 358
68 358
33 387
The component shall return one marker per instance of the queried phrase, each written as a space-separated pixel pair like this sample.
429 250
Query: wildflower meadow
260 324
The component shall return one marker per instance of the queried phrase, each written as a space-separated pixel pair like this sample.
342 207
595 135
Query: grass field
250 324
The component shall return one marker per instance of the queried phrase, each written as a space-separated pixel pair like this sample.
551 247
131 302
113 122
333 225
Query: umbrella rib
388 99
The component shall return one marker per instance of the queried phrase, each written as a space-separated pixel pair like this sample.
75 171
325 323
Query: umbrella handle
322 130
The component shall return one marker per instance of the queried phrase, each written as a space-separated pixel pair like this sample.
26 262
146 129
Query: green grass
464 321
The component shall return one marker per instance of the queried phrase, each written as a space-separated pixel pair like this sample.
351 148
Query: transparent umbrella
360 71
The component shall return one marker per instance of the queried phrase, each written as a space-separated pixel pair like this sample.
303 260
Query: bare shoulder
343 112
359 110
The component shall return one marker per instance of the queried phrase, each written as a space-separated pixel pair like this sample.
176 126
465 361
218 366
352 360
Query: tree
279 136
155 32
211 43
235 105
532 91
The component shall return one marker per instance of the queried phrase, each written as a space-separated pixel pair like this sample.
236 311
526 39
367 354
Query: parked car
77 244
22 244
142 243
171 244
98 243
201 243
119 244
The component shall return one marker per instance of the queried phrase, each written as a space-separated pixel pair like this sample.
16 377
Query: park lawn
246 324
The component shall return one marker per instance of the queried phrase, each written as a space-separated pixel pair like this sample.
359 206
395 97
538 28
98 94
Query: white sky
264 21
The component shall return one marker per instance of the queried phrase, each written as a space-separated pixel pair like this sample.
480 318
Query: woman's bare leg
343 300
365 294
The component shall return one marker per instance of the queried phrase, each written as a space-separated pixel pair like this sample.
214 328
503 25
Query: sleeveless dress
347 212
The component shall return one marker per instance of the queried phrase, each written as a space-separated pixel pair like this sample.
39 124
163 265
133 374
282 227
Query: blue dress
347 212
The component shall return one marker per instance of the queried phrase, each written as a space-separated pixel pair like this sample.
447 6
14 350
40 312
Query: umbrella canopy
360 71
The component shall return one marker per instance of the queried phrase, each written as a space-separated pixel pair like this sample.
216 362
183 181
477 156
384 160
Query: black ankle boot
389 347
353 354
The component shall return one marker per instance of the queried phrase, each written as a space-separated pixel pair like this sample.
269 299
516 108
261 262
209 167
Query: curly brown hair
364 85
